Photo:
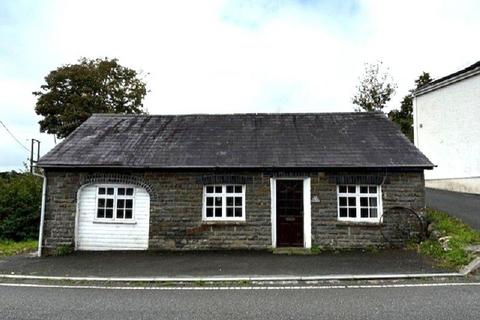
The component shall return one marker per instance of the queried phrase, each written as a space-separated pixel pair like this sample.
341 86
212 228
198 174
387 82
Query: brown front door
289 213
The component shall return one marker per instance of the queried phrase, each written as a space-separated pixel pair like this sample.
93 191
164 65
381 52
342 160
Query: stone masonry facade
176 209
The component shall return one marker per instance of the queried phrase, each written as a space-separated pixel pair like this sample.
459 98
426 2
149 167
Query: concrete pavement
461 205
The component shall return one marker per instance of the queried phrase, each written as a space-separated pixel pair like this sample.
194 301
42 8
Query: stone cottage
237 181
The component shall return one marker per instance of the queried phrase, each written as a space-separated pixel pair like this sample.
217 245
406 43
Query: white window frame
115 197
357 195
224 196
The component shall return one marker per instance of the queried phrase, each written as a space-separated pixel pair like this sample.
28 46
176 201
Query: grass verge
10 248
459 236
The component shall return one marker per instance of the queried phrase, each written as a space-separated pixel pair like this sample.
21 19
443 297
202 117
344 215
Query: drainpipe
42 212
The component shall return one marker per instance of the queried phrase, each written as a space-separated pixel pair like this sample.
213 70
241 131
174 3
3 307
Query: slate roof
314 140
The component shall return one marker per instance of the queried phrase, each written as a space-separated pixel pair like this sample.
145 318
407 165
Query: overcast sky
228 56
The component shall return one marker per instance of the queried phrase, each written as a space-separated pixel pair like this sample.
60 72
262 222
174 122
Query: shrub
20 201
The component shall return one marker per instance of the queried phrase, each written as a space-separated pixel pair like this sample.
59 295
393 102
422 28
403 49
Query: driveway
464 206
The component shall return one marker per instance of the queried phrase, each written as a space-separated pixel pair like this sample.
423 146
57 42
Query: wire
18 141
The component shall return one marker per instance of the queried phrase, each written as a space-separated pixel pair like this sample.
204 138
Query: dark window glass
238 189
229 189
352 201
129 191
110 191
218 212
238 212
209 189
218 189
108 213
120 203
343 201
100 213
101 203
373 213
209 212
109 203
230 201
120 213
343 212
363 189
209 201
364 202
229 212
129 203
364 213
218 201
238 201
373 202
101 190
351 189
121 191
128 214
342 189
352 212
373 189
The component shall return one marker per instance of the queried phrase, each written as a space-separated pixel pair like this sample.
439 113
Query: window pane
108 213
129 191
120 203
129 204
101 190
209 212
352 212
342 189
238 189
352 201
229 201
373 202
109 203
238 201
343 201
343 212
229 189
229 212
101 203
218 189
209 189
209 201
363 189
110 191
218 201
238 212
351 189
373 213
100 213
364 202
218 212
120 213
121 191
128 214
373 189
364 213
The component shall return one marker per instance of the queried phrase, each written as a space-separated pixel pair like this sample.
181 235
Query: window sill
223 222
114 222
359 223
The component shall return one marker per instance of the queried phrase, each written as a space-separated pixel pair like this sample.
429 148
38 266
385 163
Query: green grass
10 248
461 236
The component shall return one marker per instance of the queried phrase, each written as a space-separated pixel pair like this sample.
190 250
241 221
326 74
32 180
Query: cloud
231 56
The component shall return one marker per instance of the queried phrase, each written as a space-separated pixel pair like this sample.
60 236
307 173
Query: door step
292 251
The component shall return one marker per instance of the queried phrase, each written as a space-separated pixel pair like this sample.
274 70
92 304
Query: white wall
447 131
91 235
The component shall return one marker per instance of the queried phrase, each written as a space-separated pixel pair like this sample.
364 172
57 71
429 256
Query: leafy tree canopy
73 92
375 89
404 117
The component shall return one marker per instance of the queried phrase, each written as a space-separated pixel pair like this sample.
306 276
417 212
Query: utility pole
35 145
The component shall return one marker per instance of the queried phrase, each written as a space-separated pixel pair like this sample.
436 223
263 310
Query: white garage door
112 217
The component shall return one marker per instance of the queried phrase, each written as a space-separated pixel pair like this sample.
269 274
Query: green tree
73 92
20 200
404 116
375 89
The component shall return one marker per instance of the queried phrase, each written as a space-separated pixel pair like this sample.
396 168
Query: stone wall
176 210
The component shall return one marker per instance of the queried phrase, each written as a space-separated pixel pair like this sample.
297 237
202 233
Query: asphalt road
453 302
464 206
